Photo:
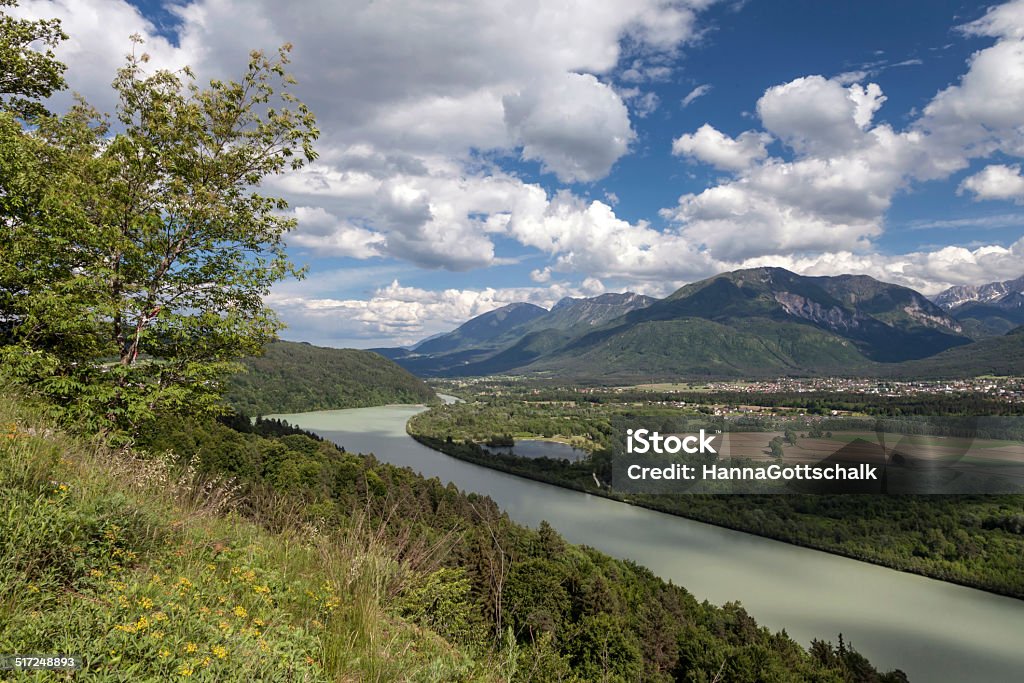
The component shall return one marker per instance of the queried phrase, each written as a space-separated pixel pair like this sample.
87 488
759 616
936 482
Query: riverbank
714 510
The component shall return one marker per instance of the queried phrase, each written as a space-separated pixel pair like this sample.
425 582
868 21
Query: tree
775 445
136 264
27 74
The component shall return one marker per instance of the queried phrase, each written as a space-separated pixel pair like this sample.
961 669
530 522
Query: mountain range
745 323
987 293
988 310
469 347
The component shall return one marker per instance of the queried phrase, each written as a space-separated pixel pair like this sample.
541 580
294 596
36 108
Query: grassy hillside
144 570
294 377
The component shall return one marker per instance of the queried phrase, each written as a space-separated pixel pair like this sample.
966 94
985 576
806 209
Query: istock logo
641 441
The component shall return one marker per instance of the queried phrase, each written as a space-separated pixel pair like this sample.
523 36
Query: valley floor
972 540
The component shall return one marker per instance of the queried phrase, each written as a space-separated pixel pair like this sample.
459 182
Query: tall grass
151 572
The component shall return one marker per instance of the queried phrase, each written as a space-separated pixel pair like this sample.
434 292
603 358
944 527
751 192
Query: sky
480 152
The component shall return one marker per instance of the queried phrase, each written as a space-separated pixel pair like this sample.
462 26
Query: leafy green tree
776 447
442 602
28 74
136 263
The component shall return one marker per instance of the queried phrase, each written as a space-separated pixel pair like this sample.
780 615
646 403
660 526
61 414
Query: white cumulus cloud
996 181
713 147
575 125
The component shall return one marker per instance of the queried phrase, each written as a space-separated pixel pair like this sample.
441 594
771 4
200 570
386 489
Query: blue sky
482 152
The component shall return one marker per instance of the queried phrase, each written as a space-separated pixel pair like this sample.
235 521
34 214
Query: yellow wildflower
146 603
185 670
240 612
164 654
258 622
190 647
96 573
219 651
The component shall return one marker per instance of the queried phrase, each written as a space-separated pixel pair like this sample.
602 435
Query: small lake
934 631
540 448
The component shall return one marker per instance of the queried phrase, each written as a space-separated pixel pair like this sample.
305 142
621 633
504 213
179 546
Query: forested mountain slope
293 377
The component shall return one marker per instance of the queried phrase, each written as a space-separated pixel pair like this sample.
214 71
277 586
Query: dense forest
292 377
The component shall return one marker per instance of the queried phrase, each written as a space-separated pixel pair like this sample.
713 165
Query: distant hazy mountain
481 329
963 294
756 322
592 312
987 310
423 341
567 319
495 332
